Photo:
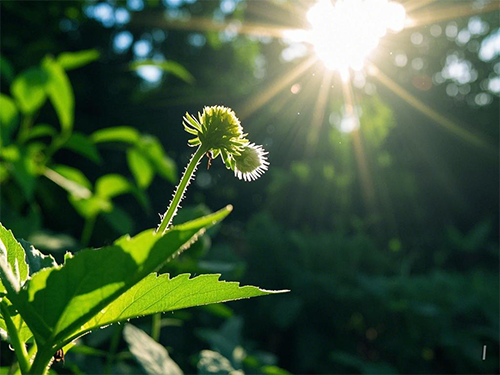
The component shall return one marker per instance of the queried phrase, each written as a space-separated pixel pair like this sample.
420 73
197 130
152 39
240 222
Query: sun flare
343 34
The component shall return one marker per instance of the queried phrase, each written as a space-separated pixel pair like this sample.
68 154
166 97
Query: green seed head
217 130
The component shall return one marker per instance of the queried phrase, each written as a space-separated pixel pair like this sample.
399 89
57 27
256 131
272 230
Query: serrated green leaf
57 302
82 144
167 66
60 92
111 185
29 89
123 134
140 167
161 293
6 70
152 356
13 257
73 60
9 118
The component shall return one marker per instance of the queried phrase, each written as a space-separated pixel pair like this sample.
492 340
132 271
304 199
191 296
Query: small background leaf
9 118
152 356
29 89
140 167
164 166
41 130
116 134
111 185
6 70
73 60
167 66
60 92
82 144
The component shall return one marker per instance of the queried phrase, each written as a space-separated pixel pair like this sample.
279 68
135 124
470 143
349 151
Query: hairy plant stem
17 344
181 188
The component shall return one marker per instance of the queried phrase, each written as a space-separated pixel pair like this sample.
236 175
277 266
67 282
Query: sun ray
439 13
207 24
429 112
359 152
262 97
412 5
319 112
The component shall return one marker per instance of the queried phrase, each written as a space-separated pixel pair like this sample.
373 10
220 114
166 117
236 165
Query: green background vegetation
404 281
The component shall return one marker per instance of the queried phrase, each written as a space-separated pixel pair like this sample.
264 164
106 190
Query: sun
344 33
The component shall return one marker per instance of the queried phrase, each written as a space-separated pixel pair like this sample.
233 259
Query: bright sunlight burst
345 33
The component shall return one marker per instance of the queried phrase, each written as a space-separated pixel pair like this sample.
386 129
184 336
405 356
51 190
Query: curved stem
181 188
17 344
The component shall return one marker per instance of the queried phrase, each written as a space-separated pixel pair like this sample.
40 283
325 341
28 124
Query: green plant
48 306
29 150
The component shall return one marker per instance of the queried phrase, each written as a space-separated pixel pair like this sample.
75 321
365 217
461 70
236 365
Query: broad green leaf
165 166
161 293
111 185
141 168
152 356
13 254
57 302
60 92
73 60
82 144
167 66
123 134
9 117
29 89
6 70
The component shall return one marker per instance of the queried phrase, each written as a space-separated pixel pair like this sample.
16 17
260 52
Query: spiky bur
251 163
217 131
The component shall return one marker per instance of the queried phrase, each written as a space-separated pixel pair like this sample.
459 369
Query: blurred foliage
402 280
